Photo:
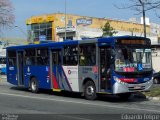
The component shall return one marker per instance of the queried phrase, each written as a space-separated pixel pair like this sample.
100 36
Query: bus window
3 60
87 55
30 57
70 56
42 57
12 58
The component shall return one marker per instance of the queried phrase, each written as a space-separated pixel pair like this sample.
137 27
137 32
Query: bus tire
34 85
155 81
124 96
90 91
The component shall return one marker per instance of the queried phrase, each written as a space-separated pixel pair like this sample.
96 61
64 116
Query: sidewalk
153 98
141 95
3 78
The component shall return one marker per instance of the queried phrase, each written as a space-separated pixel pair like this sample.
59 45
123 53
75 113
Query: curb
139 95
153 98
3 78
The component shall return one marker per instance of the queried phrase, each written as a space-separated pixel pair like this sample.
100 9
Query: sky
24 9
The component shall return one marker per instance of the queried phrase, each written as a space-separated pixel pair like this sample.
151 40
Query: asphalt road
69 106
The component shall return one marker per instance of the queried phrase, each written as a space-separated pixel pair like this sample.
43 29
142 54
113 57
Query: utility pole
65 20
144 17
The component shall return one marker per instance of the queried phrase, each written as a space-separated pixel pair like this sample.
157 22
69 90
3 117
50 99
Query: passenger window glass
12 58
70 56
87 55
42 57
30 57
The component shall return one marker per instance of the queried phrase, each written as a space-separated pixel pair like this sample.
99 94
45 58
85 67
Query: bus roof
109 40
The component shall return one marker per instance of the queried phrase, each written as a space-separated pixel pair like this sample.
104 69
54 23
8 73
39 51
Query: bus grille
136 88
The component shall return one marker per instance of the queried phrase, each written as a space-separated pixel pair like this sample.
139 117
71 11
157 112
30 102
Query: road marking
73 117
76 102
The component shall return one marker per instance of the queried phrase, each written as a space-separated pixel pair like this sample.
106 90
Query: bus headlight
118 80
150 81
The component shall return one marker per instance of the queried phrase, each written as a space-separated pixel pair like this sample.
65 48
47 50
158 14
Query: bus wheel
90 91
155 81
124 96
34 85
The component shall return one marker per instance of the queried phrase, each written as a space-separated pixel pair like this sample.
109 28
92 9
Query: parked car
156 78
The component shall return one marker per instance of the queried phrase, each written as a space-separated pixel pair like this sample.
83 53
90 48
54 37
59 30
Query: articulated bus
115 65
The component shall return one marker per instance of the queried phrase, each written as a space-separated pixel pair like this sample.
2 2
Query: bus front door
105 65
55 69
20 68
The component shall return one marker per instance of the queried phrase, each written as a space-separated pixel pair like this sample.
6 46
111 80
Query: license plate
137 87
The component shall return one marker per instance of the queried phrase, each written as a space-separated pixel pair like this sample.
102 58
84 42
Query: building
52 27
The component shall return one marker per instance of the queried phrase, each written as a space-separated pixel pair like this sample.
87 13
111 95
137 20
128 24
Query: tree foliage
6 14
137 5
141 6
108 30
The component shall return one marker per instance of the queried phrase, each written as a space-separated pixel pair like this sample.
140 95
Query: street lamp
21 30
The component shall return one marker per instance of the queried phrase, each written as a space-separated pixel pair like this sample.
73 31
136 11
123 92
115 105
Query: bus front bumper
125 88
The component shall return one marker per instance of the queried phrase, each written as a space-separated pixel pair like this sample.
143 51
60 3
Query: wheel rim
155 81
34 85
90 90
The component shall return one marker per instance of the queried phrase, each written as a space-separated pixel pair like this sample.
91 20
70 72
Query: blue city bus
3 65
116 65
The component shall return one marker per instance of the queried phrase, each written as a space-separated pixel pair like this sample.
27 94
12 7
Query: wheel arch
31 79
86 80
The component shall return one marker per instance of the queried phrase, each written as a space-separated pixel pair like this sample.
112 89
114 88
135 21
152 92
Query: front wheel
155 81
124 96
34 85
90 91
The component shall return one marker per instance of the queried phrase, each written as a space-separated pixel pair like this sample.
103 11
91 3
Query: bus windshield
129 59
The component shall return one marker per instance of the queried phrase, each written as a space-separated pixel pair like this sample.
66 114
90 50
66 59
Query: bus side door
105 67
55 68
20 68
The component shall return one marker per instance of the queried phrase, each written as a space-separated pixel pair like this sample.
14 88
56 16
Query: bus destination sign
132 42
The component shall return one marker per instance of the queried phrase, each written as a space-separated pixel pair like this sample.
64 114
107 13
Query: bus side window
87 55
11 62
70 56
42 56
30 57
11 57
28 61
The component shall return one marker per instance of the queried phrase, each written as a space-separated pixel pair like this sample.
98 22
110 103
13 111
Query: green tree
7 17
108 30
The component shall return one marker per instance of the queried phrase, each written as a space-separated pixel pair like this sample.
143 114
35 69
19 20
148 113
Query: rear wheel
90 91
34 85
155 81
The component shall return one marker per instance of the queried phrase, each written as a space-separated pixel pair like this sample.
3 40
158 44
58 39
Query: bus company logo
11 68
28 69
69 72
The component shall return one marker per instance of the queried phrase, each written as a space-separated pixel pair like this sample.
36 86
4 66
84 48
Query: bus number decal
11 68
